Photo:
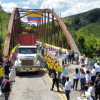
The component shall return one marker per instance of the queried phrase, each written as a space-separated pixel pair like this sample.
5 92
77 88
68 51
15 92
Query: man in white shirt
67 88
65 58
56 58
97 67
97 61
88 96
67 55
91 89
88 77
93 74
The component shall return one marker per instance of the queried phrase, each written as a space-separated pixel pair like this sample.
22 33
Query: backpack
98 84
5 86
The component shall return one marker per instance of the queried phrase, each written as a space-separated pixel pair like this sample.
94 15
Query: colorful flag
34 17
27 28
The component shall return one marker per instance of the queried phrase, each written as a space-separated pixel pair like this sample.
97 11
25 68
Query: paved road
33 87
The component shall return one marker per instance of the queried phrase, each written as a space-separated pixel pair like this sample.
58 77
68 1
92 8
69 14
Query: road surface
33 86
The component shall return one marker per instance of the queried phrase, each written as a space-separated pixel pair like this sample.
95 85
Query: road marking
54 86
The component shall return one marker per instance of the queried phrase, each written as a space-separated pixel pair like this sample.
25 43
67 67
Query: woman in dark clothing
6 67
76 76
55 80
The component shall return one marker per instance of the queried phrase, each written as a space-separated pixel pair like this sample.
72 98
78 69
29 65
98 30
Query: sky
65 7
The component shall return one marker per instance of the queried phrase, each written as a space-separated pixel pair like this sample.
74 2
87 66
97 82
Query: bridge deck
37 86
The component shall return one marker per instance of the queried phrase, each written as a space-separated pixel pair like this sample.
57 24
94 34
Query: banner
34 17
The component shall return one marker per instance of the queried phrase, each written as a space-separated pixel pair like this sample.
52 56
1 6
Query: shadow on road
32 74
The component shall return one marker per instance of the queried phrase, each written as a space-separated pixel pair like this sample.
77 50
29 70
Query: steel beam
67 34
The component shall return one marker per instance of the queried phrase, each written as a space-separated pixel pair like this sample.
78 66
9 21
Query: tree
76 20
81 42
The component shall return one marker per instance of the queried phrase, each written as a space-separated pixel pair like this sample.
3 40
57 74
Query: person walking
1 72
67 88
88 96
93 74
72 57
6 69
55 80
57 52
82 79
65 57
77 58
88 77
91 89
97 67
76 76
6 87
90 63
64 74
97 87
59 72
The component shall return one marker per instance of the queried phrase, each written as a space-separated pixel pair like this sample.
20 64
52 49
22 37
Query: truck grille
27 62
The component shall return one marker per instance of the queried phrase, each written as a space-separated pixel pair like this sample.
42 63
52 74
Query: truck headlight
37 62
18 64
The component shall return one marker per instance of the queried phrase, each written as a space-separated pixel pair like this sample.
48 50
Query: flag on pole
34 17
27 28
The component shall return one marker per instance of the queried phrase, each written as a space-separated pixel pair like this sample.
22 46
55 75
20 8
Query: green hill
93 28
85 29
4 19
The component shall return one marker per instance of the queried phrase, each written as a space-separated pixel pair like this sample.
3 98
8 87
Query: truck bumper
27 69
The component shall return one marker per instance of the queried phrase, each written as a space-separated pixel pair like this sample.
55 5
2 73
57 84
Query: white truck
26 59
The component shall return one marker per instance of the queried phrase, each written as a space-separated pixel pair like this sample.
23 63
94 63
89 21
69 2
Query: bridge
45 33
45 30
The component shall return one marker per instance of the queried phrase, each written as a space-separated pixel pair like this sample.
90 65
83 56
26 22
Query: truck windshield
27 50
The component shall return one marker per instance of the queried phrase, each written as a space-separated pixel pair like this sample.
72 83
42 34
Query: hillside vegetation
4 20
85 29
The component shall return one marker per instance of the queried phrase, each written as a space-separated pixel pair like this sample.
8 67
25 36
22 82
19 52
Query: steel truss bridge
45 30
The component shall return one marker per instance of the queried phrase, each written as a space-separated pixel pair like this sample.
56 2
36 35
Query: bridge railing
14 28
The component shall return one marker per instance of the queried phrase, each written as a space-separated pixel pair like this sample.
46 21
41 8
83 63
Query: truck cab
26 59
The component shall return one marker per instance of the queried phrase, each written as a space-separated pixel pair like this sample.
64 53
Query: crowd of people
4 76
88 73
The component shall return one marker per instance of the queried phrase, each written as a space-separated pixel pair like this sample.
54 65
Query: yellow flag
27 27
33 14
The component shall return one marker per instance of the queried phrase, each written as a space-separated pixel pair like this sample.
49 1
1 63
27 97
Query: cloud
70 7
56 4
81 7
9 6
35 2
26 7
